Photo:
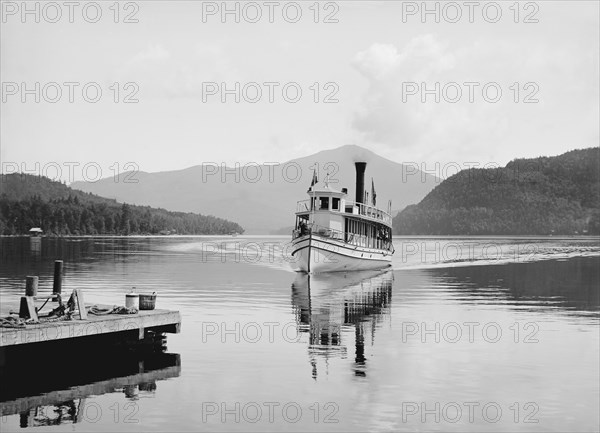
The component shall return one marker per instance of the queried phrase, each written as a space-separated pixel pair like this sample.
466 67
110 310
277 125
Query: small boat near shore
333 234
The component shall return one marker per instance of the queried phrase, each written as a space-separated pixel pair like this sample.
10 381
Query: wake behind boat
334 234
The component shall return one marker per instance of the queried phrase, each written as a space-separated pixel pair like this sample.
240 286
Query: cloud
378 60
394 120
422 56
176 73
384 117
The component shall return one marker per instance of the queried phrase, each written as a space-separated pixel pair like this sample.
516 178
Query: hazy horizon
434 172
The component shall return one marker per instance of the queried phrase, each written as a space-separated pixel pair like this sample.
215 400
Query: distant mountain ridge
262 197
28 201
537 196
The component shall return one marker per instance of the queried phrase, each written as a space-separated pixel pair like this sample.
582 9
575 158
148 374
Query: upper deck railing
364 210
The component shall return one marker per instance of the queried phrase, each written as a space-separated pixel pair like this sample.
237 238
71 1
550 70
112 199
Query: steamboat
334 234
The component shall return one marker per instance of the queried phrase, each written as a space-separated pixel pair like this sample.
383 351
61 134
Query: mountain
28 201
263 197
540 196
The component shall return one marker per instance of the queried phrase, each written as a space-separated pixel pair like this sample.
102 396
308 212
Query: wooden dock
157 321
71 322
55 352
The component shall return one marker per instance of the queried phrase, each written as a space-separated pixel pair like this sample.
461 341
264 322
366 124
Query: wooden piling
58 274
31 286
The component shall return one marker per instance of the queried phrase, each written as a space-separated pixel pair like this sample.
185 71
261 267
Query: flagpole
312 206
313 203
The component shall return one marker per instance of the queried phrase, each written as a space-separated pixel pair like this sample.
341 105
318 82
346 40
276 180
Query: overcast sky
371 57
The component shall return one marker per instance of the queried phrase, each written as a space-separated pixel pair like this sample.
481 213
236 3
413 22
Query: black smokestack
360 181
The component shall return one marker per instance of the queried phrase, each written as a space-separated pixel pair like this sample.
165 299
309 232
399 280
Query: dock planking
163 321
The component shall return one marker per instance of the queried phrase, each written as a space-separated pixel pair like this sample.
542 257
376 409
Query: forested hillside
540 196
28 201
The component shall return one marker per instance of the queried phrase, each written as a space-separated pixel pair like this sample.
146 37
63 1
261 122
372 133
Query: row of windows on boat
322 203
355 232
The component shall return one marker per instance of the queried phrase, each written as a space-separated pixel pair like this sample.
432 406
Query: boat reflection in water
330 307
49 390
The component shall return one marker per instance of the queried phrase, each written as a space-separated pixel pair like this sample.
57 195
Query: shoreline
545 237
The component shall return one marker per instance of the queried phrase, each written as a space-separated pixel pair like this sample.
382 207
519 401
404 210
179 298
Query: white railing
349 238
372 212
363 209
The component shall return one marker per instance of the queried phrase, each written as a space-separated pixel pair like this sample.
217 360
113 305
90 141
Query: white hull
316 254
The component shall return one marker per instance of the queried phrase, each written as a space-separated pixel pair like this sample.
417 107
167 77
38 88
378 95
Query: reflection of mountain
330 306
51 389
572 284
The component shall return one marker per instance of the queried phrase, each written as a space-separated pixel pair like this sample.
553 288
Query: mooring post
58 274
27 308
31 286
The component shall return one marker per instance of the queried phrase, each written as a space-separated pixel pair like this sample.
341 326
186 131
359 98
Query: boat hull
315 254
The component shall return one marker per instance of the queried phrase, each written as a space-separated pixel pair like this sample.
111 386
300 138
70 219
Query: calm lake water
460 335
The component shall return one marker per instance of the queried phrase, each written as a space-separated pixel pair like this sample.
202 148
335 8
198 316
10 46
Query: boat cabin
328 213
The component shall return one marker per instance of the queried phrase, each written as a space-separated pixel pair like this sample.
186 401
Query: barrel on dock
147 302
